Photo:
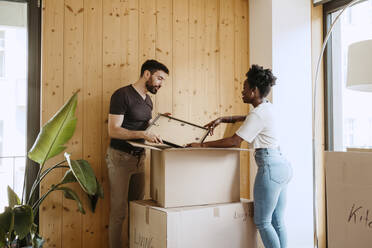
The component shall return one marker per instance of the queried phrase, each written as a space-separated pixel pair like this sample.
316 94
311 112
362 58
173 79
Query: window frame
2 49
1 138
33 85
328 9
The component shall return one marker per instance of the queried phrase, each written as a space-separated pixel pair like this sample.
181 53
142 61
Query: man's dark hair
153 66
261 78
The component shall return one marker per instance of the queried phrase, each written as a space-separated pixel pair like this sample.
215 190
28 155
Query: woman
274 171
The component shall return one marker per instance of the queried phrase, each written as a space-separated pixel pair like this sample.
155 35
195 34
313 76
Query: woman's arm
233 141
233 119
226 119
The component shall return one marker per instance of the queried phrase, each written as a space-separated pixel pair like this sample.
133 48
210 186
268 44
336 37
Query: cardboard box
194 176
188 177
215 226
349 199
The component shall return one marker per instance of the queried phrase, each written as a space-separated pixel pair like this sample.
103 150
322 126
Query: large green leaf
69 177
84 174
6 220
23 219
2 238
100 192
70 194
34 228
55 133
13 199
93 199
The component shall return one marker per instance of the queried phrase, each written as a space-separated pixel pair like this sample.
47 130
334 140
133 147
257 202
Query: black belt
136 153
260 149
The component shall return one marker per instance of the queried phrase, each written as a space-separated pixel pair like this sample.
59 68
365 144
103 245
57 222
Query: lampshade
359 68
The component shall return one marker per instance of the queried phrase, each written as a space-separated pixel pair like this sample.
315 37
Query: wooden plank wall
97 46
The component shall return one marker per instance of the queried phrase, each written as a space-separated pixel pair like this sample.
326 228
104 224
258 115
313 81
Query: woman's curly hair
261 78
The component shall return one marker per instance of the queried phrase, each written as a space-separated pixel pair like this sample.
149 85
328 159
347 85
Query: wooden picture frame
175 132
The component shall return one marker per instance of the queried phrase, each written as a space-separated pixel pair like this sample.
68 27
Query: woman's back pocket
280 173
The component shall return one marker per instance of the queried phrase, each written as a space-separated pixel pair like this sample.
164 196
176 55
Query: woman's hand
211 125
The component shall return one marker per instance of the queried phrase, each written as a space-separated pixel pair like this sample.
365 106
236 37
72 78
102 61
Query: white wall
288 37
260 33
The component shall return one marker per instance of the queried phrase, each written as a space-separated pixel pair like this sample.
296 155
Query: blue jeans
270 188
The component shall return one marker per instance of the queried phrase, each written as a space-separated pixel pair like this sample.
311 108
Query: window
2 54
20 43
1 138
370 131
13 97
349 132
348 112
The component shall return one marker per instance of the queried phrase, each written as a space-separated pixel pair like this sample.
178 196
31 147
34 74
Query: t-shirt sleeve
118 103
251 127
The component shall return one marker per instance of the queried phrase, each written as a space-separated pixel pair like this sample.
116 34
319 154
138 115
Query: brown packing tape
147 215
216 212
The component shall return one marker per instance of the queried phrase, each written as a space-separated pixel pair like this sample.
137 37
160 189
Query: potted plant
17 222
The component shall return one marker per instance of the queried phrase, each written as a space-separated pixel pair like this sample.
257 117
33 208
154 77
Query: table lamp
359 66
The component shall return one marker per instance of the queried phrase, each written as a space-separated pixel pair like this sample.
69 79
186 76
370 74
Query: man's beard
151 88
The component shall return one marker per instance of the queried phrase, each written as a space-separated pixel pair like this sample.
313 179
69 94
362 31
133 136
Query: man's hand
151 137
211 125
194 145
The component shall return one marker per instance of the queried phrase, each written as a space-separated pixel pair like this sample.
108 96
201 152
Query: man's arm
117 132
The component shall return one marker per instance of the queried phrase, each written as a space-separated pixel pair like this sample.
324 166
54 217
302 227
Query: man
130 112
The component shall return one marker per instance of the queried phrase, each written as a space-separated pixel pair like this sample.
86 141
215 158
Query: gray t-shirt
136 110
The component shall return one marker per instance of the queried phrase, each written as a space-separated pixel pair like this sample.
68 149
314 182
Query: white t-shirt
259 128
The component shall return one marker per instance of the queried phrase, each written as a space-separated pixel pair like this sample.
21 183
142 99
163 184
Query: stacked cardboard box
210 226
195 176
349 201
196 201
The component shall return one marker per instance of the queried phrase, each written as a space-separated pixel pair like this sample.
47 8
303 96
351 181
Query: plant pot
15 244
